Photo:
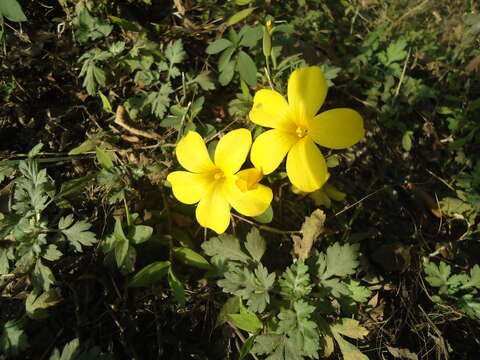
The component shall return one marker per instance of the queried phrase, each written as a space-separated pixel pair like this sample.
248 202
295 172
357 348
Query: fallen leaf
398 353
311 229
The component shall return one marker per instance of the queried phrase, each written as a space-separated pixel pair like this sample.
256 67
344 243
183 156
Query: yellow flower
297 127
218 185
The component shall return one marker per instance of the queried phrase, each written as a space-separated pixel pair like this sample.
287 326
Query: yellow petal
188 187
232 150
251 202
213 210
307 90
306 167
270 110
337 128
269 149
248 179
192 153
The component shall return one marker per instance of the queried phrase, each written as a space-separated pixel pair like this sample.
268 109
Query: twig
359 201
397 90
265 227
120 119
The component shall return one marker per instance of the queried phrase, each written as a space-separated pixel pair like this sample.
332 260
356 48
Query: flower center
301 131
218 175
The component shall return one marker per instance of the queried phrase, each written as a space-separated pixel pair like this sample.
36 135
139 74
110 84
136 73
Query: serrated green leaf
247 68
37 303
339 260
246 321
299 327
35 150
396 51
349 327
159 100
192 258
204 80
295 282
359 293
176 286
78 233
150 274
218 46
348 350
12 10
224 247
4 263
175 53
255 244
70 351
251 286
437 276
52 253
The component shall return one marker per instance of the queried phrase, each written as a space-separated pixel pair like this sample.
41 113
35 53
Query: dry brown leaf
311 229
398 353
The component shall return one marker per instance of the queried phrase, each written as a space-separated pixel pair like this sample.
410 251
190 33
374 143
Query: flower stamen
301 131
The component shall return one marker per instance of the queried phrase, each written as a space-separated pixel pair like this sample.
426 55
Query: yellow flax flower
219 185
297 127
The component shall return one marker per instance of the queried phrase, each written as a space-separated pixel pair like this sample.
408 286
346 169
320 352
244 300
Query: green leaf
339 260
218 46
103 158
295 282
246 321
87 145
348 350
42 277
124 24
140 233
239 16
175 53
77 234
350 328
88 27
13 339
37 303
407 140
246 347
359 293
247 68
299 327
396 51
105 102
226 74
70 351
251 286
159 100
150 274
205 81
249 36
255 244
12 10
52 253
35 151
437 276
192 258
231 306
266 217
121 250
225 58
474 279
176 286
224 247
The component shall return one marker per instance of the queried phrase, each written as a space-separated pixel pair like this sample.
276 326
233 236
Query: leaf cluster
303 306
461 290
35 241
